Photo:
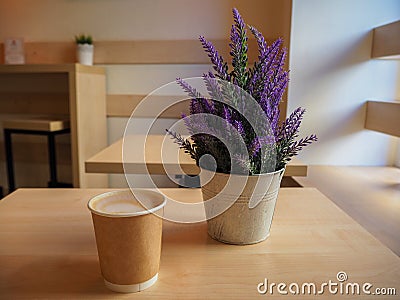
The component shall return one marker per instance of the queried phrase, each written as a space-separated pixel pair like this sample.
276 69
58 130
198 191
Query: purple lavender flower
239 127
219 65
239 50
198 103
291 125
266 81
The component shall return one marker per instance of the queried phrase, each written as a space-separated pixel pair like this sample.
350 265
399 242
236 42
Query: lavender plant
266 82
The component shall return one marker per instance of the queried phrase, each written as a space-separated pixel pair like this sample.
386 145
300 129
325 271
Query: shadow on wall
350 118
322 74
336 137
357 52
334 88
348 122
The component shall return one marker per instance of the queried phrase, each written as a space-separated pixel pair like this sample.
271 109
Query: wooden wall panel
386 41
161 52
129 52
383 117
123 106
48 53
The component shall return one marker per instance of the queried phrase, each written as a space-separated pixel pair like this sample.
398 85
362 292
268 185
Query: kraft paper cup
128 237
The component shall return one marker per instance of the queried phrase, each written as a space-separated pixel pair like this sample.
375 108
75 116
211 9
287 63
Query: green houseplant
84 39
237 125
84 49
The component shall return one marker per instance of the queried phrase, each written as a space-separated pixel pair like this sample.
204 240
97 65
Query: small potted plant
84 51
236 137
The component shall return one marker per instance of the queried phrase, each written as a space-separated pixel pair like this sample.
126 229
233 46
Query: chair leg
52 160
9 160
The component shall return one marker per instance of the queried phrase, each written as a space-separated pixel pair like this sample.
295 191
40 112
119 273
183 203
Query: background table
47 250
160 153
74 90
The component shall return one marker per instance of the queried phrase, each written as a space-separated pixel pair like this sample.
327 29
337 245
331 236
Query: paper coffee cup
128 237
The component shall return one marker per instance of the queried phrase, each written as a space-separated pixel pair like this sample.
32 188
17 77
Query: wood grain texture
155 154
47 248
383 117
386 41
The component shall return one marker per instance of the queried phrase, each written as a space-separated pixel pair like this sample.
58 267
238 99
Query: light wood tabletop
160 154
47 250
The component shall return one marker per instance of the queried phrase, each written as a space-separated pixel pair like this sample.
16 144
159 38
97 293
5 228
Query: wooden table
160 153
47 250
74 90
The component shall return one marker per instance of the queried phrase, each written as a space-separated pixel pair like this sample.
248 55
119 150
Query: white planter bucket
241 207
84 53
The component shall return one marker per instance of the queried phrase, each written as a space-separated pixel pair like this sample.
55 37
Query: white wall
332 76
